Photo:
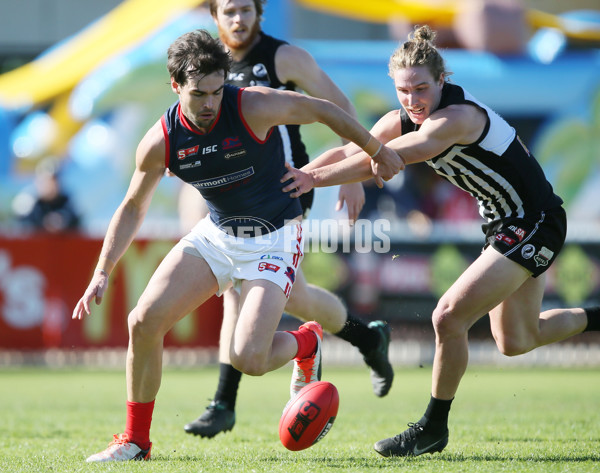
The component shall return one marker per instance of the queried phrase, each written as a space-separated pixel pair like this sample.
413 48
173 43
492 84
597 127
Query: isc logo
209 149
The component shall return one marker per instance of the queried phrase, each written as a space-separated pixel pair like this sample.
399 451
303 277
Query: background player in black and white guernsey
475 149
260 59
220 139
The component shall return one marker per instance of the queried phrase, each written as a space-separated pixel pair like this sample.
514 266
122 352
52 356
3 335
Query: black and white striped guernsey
497 170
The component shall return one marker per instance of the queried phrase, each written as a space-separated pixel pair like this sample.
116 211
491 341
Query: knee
141 325
445 321
253 365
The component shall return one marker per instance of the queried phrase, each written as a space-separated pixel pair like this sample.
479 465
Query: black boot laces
410 434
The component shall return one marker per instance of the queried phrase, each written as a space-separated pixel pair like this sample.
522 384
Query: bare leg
484 285
231 307
256 347
181 283
518 327
310 302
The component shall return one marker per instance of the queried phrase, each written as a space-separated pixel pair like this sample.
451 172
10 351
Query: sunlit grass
517 420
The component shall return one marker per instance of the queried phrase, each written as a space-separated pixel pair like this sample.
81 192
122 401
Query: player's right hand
95 289
385 165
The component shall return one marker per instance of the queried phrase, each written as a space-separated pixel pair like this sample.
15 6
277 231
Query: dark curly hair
196 53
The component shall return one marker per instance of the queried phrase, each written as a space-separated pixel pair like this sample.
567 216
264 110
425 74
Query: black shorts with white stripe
532 242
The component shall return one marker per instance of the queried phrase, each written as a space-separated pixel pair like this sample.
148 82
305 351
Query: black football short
532 242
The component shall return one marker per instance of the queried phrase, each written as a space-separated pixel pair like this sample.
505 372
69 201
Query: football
309 416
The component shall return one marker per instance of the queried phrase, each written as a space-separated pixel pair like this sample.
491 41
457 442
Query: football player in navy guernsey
221 140
471 146
260 59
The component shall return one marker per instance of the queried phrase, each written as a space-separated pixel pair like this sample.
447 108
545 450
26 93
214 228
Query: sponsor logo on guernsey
505 239
185 153
528 251
210 149
543 257
519 232
271 257
235 154
195 164
264 266
231 142
236 77
224 180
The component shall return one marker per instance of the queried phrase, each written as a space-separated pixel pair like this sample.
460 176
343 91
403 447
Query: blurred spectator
48 208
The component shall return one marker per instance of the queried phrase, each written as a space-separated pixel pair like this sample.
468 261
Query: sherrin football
309 416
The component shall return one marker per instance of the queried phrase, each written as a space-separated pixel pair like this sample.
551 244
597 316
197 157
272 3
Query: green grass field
503 420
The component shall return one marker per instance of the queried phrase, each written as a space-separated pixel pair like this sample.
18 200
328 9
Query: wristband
378 150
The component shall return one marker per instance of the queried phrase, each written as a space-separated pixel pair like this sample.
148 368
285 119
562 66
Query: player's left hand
301 183
353 195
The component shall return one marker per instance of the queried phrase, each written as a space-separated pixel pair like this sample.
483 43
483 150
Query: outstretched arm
264 108
128 217
442 130
348 163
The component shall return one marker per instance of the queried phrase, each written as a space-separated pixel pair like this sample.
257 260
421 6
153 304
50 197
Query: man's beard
230 41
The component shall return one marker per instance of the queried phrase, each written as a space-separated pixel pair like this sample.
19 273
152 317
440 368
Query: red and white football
309 416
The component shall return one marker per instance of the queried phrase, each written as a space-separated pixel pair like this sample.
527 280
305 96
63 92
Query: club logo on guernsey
259 70
543 257
231 142
291 274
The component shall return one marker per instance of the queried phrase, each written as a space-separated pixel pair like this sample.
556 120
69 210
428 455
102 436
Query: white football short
274 256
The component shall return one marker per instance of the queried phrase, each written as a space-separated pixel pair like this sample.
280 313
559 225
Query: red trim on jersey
248 129
193 128
163 122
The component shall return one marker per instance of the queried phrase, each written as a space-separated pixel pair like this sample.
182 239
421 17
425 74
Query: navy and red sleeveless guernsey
258 68
236 173
498 170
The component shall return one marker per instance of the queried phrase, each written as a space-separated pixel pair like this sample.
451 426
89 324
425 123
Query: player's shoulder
392 117
295 64
153 145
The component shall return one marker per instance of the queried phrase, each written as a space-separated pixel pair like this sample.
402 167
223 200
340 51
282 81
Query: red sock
307 342
137 426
